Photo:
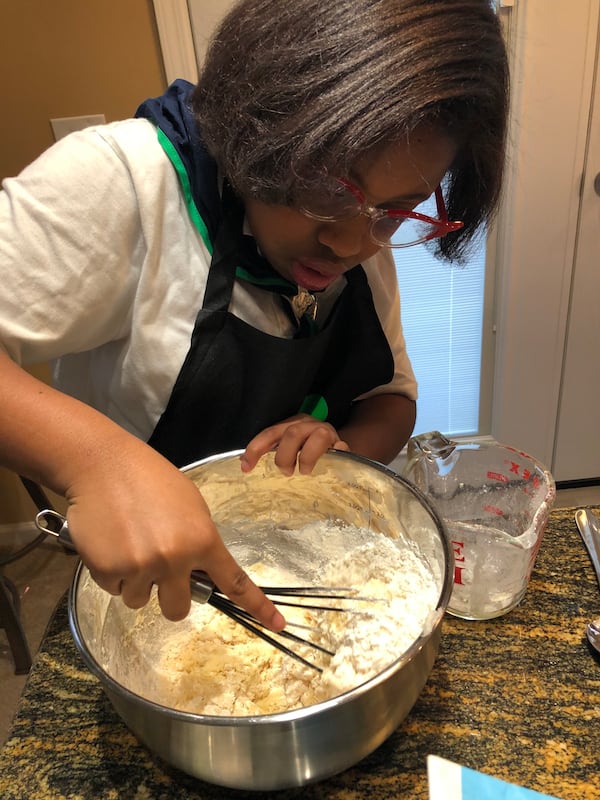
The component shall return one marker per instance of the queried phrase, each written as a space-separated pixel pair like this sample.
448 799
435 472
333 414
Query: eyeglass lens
332 200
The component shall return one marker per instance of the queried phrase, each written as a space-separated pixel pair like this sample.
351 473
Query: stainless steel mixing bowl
294 748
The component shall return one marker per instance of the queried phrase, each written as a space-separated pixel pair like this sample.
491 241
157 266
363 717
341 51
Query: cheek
284 231
369 251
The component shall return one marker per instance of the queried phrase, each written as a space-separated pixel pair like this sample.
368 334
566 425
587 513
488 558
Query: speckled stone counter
517 697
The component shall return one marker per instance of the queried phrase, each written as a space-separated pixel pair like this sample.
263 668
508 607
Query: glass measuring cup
494 501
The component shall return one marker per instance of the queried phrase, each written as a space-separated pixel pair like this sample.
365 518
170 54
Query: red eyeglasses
339 199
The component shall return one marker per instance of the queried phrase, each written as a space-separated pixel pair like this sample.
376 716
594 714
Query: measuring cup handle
591 537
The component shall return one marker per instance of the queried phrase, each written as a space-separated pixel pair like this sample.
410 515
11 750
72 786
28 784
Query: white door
577 449
548 267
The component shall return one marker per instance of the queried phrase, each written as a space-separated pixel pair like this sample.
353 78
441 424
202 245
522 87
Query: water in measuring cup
492 569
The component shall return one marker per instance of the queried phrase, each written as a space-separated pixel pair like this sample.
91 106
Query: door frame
176 39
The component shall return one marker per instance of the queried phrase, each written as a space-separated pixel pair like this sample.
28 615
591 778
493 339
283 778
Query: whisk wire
235 609
325 592
204 590
247 621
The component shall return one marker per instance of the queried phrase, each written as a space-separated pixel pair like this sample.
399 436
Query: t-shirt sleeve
68 229
381 274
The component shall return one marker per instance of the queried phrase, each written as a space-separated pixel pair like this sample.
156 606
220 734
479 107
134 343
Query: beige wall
68 58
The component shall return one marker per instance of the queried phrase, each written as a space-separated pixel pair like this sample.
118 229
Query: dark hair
288 86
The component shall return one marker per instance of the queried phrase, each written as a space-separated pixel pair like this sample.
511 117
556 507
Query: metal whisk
204 590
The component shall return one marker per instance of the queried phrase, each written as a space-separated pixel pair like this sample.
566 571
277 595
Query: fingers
271 438
134 580
113 584
135 590
174 597
312 451
298 441
136 593
262 443
174 592
304 444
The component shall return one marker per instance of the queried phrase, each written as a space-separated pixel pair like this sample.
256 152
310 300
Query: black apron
237 380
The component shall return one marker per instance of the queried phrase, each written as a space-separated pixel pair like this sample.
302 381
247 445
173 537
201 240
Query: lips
315 274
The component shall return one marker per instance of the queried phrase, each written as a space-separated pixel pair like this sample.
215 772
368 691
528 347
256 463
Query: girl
216 272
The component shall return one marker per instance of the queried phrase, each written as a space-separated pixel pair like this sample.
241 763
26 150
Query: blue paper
478 786
450 781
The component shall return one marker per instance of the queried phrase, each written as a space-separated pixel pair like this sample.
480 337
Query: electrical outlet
61 126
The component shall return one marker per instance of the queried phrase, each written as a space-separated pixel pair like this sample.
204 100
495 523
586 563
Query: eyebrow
415 197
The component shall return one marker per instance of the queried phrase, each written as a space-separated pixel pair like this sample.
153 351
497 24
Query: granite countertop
517 697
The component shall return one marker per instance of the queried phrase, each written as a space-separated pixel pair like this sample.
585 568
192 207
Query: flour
368 642
209 664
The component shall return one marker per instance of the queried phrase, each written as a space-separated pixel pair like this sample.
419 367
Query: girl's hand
135 519
300 440
141 522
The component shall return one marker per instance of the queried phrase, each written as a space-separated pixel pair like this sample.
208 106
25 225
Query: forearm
48 436
380 426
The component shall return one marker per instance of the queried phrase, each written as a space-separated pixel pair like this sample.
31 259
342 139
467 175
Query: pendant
304 303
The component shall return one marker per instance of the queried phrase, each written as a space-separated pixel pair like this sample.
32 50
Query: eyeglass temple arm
440 204
443 214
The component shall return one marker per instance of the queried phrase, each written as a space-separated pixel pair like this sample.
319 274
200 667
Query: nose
347 238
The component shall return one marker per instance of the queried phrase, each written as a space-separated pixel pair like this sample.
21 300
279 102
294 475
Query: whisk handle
201 585
54 524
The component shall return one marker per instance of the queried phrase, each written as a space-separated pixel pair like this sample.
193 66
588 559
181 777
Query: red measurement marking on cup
459 557
494 510
497 476
521 453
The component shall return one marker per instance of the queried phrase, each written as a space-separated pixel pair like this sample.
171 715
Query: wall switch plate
61 126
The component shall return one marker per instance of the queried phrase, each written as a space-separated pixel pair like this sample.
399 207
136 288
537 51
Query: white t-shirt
104 272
